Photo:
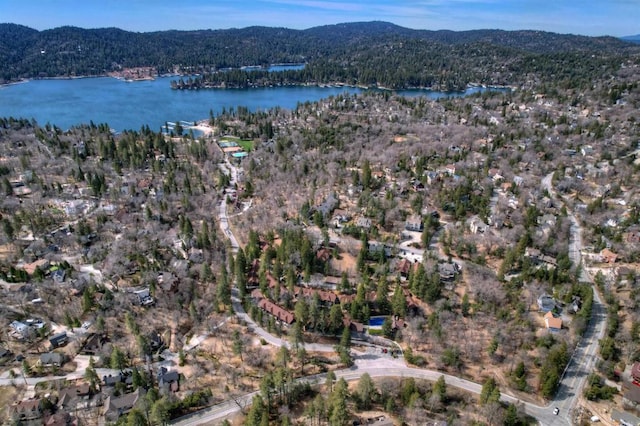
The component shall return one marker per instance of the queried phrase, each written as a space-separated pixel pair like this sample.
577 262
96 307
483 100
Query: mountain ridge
73 51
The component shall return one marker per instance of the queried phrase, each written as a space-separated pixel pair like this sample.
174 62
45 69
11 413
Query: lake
130 105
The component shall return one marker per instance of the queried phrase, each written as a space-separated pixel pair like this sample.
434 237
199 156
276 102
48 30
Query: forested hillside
370 54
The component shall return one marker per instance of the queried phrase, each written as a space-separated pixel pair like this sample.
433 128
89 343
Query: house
354 327
143 297
93 344
30 268
20 330
60 418
404 268
59 275
546 303
363 222
450 169
27 410
168 380
69 398
477 226
111 381
635 372
332 282
328 205
155 342
495 175
58 340
51 359
280 314
323 254
376 247
623 418
414 223
114 407
552 322
448 271
608 256
631 397
4 353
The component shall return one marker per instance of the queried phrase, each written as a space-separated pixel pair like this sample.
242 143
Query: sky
586 17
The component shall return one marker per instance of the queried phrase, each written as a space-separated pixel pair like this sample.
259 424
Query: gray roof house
58 340
546 303
114 407
52 359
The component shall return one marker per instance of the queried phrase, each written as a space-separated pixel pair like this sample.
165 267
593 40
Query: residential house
608 256
328 205
377 247
93 344
546 303
20 330
59 275
450 169
114 407
354 327
623 418
414 223
51 359
552 322
404 268
631 397
363 222
58 340
143 297
60 418
495 175
27 410
332 282
168 381
586 150
30 268
448 271
635 372
340 216
72 397
323 254
110 380
477 225
279 313
4 353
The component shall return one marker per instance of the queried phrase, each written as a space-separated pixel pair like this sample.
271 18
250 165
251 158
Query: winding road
570 389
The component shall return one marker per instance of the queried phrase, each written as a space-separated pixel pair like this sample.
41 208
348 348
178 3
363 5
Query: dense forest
366 54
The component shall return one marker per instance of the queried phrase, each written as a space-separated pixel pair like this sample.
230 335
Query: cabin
58 340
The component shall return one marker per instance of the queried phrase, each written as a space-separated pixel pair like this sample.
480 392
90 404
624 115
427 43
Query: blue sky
588 17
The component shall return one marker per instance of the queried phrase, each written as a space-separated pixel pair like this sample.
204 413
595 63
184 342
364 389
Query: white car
86 325
556 411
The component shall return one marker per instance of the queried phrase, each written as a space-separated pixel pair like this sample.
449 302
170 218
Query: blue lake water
131 105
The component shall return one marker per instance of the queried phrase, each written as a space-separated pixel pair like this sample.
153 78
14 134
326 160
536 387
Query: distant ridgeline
371 54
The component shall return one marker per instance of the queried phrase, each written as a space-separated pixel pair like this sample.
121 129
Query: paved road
227 167
584 357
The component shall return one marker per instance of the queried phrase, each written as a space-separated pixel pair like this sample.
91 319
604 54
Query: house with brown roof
608 256
93 344
70 398
552 322
635 372
27 410
278 312
354 327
